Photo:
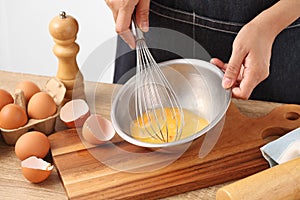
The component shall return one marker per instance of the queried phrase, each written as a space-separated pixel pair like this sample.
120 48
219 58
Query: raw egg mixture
144 126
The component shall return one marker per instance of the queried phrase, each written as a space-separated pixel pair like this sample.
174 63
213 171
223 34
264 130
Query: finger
124 19
128 37
220 64
115 15
246 86
142 15
123 22
233 68
114 7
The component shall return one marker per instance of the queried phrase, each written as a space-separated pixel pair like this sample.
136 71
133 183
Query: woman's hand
122 11
249 62
251 49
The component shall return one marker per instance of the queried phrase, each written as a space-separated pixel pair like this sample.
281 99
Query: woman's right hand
122 11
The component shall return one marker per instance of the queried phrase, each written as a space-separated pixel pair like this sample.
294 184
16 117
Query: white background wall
25 41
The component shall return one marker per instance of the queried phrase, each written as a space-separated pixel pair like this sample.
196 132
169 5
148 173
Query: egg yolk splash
150 124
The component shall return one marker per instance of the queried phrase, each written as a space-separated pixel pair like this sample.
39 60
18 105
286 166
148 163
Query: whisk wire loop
153 94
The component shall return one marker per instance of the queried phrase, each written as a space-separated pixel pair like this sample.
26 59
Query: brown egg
12 116
41 105
29 88
32 143
5 98
35 169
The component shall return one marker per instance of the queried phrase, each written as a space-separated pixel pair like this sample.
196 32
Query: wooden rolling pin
281 182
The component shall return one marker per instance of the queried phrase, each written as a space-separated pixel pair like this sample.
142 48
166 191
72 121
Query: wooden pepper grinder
63 29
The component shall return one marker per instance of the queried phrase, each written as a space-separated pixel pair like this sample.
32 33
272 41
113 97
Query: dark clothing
214 25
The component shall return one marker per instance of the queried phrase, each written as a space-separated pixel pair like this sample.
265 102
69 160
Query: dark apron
213 25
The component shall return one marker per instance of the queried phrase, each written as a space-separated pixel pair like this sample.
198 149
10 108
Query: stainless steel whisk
154 95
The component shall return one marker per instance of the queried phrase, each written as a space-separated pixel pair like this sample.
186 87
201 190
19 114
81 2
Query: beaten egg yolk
150 123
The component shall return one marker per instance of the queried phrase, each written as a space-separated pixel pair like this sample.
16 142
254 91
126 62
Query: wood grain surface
106 172
14 186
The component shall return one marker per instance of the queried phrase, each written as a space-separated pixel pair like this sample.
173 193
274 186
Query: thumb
142 14
233 68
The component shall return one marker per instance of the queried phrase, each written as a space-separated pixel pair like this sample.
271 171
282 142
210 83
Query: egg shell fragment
33 143
74 113
97 130
36 169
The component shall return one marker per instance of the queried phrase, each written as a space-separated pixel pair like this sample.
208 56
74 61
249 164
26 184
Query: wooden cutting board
211 159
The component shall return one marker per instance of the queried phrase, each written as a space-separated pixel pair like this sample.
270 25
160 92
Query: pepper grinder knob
62 14
64 28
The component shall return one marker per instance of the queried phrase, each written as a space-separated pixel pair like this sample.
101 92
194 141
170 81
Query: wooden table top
14 186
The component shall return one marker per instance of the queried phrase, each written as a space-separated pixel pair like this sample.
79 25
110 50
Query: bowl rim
204 64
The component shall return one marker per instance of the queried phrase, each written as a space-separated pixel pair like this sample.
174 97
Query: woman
254 38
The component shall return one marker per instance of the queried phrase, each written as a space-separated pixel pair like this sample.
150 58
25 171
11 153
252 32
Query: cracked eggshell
74 113
97 130
36 169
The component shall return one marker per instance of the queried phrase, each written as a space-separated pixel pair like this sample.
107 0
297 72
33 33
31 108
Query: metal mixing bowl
198 86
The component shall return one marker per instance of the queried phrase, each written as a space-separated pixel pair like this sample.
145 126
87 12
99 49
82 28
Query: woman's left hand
249 61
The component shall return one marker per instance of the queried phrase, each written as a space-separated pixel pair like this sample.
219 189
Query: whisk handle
138 32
